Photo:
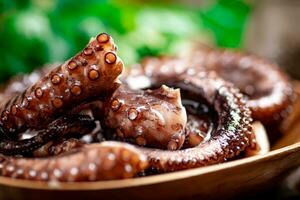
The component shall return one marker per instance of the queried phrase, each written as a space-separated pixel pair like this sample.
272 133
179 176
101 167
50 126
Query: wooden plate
225 180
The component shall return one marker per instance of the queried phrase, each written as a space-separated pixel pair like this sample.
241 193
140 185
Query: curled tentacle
91 73
154 118
62 127
105 161
268 89
230 136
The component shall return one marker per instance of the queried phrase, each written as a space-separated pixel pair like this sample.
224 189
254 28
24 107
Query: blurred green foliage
36 32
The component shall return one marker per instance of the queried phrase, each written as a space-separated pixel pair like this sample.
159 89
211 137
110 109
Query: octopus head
154 118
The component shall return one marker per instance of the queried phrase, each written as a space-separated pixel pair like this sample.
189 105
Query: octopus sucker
58 90
104 161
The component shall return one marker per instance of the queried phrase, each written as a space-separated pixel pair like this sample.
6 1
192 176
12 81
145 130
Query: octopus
176 112
268 89
118 115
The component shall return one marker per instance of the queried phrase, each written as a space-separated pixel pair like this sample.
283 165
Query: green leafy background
36 32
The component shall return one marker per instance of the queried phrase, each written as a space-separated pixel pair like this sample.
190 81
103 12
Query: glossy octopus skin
62 127
198 130
200 122
160 109
269 92
91 73
154 118
58 147
230 137
19 83
104 161
53 139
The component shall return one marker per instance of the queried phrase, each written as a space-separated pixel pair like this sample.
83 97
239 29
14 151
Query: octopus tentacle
64 126
268 89
88 82
58 147
104 161
160 135
159 109
230 137
91 73
17 84
154 118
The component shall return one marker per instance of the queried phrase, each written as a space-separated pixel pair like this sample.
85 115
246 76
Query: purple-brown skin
269 92
152 118
200 121
58 147
160 118
92 73
223 144
62 127
19 83
231 135
51 140
198 130
92 162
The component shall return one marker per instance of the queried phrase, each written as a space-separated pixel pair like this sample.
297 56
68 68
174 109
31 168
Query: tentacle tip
171 92
172 145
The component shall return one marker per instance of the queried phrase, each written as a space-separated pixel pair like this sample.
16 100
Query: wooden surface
240 177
